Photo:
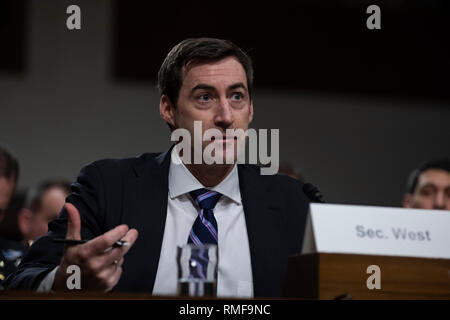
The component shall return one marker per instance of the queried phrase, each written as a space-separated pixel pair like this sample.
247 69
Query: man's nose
439 201
224 115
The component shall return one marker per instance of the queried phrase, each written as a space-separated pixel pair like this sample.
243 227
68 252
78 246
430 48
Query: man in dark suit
156 202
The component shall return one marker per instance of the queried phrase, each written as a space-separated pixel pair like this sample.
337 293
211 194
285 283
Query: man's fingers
104 260
73 222
116 254
130 237
100 244
110 269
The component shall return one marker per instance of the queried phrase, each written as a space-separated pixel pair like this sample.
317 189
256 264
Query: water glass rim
202 246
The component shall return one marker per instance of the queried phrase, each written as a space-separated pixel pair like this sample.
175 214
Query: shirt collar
181 181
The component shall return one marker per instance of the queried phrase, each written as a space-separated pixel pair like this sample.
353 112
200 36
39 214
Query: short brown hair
441 164
198 50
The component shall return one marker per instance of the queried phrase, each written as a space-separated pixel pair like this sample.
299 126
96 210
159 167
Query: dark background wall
356 112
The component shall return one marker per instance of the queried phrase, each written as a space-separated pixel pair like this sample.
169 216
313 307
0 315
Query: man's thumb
74 222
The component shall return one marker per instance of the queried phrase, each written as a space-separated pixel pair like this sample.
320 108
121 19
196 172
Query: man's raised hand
99 262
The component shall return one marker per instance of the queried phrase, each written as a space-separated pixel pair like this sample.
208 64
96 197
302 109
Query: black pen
116 244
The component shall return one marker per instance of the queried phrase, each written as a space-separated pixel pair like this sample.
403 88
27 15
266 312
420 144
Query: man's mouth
224 139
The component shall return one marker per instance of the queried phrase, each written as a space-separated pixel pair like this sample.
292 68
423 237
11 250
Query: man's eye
427 192
237 96
204 98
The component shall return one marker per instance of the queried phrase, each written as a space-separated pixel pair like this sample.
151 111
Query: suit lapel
263 228
145 208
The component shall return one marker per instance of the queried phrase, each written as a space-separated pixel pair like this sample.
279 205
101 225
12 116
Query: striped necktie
204 229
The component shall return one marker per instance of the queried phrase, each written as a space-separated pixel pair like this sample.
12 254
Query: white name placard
333 228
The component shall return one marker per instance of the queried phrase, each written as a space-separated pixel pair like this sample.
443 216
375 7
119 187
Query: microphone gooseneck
313 193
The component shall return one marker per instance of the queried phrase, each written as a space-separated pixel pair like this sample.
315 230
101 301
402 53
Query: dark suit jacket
134 192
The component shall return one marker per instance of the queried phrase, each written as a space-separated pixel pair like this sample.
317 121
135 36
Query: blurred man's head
43 205
429 186
288 169
9 173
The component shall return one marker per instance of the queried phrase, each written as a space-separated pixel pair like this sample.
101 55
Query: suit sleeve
44 255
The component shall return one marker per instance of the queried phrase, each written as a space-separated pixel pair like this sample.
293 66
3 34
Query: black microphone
313 193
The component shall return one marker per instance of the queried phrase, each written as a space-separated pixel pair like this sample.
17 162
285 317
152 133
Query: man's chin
226 151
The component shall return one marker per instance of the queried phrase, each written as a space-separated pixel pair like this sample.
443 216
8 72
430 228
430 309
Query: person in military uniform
11 253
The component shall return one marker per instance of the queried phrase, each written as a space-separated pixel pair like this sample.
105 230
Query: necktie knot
205 199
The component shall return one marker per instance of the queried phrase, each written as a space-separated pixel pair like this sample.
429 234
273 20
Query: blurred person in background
428 186
9 174
288 169
9 228
43 205
10 251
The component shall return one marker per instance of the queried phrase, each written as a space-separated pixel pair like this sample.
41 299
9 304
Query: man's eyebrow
237 85
202 86
205 86
429 185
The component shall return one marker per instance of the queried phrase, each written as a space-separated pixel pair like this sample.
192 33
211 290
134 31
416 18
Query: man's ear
24 221
166 110
407 199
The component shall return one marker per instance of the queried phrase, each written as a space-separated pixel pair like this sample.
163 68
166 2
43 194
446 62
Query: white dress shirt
234 277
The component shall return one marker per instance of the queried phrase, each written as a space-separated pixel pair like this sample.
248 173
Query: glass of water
197 270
